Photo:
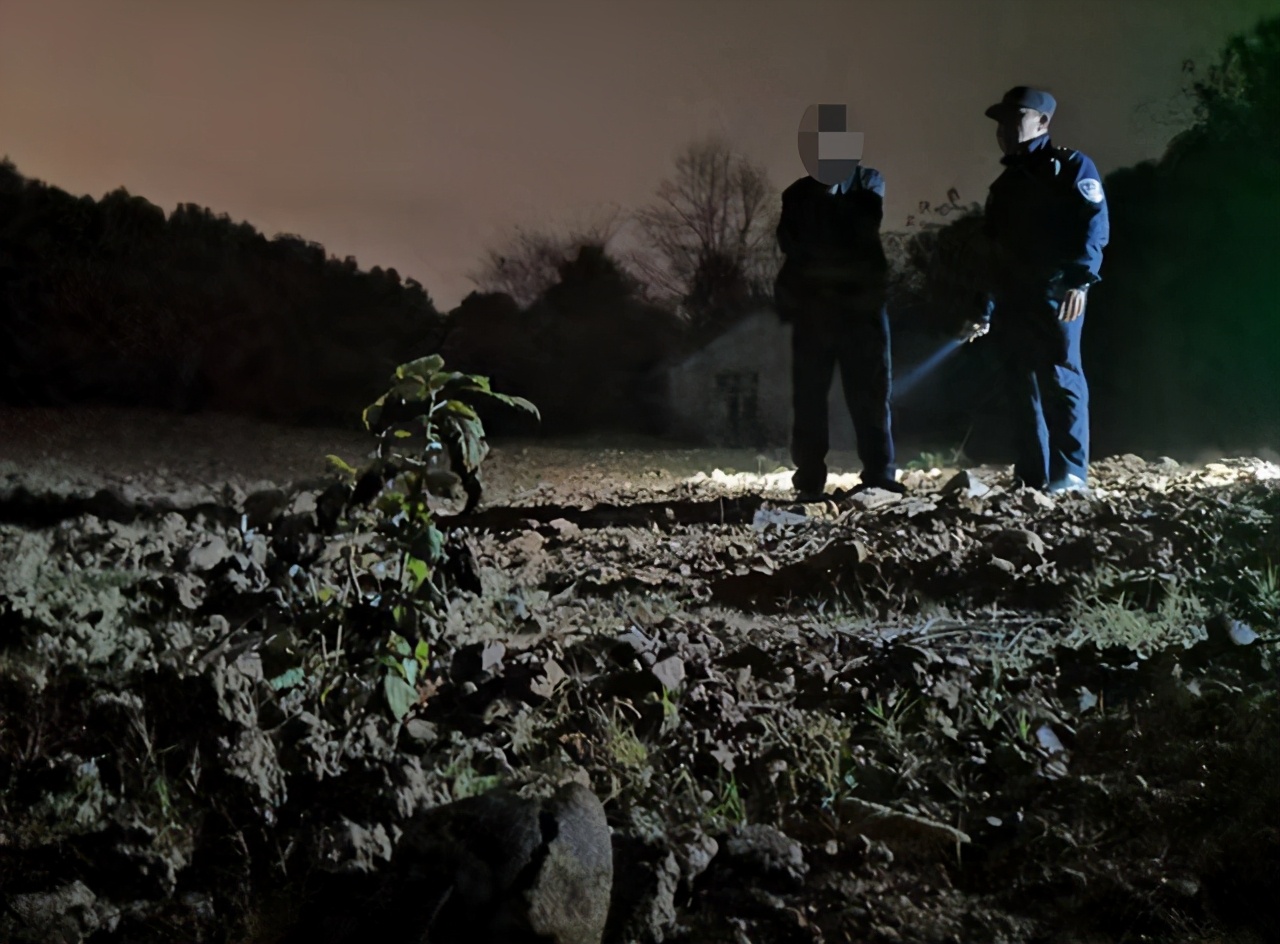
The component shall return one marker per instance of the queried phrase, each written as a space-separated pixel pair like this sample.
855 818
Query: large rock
496 868
644 897
1020 547
569 899
67 915
761 849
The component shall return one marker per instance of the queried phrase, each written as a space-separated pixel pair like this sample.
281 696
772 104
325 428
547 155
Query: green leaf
410 671
417 570
399 645
443 378
471 439
428 547
289 679
342 465
391 663
401 696
457 406
422 652
422 368
373 412
392 502
411 389
520 403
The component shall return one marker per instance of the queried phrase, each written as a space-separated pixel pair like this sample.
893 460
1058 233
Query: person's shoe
883 483
811 498
809 488
1072 483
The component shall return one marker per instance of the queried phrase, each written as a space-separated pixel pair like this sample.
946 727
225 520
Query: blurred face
1019 127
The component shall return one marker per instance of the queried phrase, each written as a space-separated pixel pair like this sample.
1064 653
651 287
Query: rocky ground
967 714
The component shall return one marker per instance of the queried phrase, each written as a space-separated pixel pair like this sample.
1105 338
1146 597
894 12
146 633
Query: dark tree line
585 350
1187 321
110 301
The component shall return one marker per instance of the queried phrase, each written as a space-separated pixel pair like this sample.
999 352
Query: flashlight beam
906 382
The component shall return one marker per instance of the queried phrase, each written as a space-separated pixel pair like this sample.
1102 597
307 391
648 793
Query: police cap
1022 96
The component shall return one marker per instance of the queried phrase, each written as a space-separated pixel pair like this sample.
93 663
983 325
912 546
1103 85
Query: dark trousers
1046 387
827 332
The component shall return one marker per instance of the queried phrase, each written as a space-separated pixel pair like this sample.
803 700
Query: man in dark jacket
832 290
1046 224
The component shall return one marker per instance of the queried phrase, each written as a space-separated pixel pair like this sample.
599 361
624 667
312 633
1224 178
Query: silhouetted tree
529 262
937 265
1184 330
710 236
583 351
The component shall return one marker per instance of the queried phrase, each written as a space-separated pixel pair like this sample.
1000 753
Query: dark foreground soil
968 714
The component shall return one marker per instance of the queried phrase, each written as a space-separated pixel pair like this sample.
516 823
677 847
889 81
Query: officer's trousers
826 332
1047 391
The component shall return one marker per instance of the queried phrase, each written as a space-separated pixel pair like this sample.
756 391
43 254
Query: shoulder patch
1091 189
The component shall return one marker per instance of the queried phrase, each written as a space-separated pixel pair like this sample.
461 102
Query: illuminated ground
967 714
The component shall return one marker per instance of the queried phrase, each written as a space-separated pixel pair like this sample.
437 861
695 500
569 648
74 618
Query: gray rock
569 900
66 915
496 867
1032 499
647 878
208 554
695 853
966 484
760 848
264 507
670 672
1018 546
885 833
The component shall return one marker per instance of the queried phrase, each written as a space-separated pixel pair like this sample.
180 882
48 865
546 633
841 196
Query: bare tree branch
711 215
529 262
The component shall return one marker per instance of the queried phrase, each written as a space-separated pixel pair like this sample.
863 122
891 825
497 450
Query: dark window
738 392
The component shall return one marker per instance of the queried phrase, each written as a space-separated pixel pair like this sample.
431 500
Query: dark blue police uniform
832 289
1046 218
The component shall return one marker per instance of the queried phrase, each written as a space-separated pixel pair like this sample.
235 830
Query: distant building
736 391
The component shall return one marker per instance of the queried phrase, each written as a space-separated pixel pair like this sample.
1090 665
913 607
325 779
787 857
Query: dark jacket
831 238
1046 220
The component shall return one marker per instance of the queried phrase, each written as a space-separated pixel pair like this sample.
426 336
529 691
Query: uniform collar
1034 148
852 182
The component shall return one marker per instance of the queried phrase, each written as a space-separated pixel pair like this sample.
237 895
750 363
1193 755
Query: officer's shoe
1072 483
809 488
884 483
811 498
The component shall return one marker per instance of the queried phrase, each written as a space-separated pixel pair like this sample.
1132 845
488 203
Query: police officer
832 289
1046 224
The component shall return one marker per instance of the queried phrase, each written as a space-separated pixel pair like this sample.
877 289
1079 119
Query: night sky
414 134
